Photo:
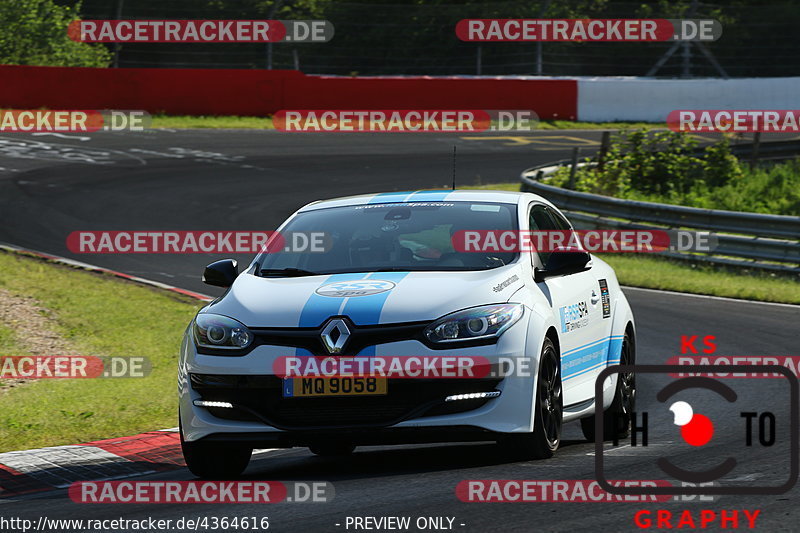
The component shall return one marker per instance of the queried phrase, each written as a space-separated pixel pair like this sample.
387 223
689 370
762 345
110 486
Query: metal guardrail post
574 168
756 145
605 144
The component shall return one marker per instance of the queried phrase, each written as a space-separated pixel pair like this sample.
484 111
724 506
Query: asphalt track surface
245 180
241 179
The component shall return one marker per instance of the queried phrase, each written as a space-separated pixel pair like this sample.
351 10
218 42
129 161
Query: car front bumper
414 410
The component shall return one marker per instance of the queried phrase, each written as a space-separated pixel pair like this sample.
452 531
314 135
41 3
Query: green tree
34 32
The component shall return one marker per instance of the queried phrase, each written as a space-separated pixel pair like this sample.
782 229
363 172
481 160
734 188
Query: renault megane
390 283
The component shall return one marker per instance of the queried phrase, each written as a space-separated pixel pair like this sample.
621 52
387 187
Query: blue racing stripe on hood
366 310
318 308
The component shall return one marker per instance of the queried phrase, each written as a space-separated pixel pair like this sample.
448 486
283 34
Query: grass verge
653 272
103 316
9 346
661 273
265 123
181 122
572 125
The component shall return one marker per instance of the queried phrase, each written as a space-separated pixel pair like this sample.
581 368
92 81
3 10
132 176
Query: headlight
477 323
220 332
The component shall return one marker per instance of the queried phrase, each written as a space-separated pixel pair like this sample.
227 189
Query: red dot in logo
698 431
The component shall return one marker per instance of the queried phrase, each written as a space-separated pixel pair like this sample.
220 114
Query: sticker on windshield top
489 208
384 205
350 289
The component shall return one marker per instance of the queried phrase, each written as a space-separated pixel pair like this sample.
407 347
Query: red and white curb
55 467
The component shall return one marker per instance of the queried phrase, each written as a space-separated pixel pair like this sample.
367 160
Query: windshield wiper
287 272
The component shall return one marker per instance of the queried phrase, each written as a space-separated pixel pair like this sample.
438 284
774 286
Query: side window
560 221
541 220
563 224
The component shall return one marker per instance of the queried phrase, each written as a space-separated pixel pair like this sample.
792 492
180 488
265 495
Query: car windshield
414 236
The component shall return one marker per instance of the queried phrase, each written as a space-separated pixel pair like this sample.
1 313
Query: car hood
367 298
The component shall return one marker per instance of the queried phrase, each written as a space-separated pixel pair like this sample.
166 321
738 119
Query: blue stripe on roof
397 196
428 196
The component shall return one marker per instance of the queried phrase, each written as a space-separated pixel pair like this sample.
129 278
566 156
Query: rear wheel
213 460
617 418
549 411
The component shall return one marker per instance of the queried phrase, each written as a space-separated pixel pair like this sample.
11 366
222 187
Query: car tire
213 460
332 450
543 442
617 418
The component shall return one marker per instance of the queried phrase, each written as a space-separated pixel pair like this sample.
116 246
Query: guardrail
772 150
766 242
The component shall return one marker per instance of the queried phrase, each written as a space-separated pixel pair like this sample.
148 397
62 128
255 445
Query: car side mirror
562 263
221 273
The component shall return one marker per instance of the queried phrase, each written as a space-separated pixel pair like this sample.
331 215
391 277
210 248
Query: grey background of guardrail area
766 242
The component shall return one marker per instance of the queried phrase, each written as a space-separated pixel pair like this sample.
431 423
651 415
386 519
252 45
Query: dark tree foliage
34 32
418 37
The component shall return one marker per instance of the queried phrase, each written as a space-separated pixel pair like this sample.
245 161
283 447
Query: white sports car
389 283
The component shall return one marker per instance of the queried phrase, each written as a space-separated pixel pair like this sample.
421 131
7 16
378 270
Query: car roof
476 195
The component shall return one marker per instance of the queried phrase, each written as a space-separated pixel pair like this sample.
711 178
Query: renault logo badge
334 335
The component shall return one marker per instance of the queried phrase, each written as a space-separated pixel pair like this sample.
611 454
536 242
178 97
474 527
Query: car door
576 302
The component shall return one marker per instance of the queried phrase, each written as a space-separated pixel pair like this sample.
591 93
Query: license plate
310 387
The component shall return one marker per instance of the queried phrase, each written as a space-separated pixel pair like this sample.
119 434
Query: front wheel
617 418
332 449
213 460
548 410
